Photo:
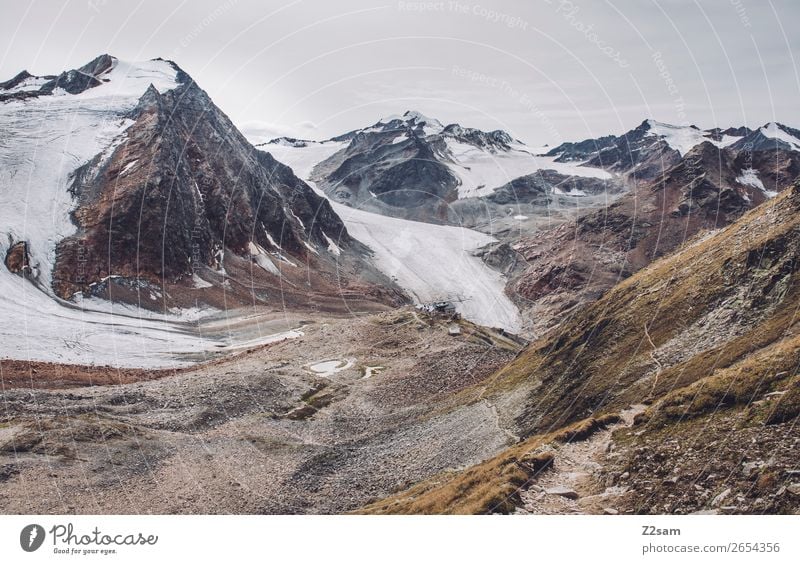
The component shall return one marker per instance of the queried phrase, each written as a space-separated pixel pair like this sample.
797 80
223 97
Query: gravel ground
261 432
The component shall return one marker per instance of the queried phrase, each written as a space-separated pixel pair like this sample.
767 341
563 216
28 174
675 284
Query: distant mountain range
137 188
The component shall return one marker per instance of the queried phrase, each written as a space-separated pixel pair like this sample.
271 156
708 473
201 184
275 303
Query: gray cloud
552 70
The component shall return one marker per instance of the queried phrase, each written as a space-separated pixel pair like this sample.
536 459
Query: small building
445 308
454 329
440 309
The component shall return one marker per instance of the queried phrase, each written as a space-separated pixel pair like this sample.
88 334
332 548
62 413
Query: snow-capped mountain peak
411 119
683 138
65 121
105 76
788 135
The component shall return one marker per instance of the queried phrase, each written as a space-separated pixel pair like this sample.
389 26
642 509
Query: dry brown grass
492 486
597 360
775 369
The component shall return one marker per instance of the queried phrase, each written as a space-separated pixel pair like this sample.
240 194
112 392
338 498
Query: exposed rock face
183 187
73 81
674 198
413 167
637 148
770 137
177 203
78 80
405 177
582 150
544 197
15 81
17 260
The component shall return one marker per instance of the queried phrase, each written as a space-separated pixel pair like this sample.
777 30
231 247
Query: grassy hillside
707 337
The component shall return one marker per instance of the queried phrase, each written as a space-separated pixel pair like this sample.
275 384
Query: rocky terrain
706 338
350 411
607 326
678 191
413 167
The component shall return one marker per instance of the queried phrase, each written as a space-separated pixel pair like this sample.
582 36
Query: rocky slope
707 339
350 410
674 195
413 167
177 189
124 182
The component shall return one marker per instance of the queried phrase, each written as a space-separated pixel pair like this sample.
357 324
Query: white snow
577 192
684 138
263 340
332 247
303 159
428 261
310 248
40 328
432 126
44 140
726 140
772 131
30 83
132 164
680 138
434 262
300 221
749 176
328 368
262 258
480 172
199 283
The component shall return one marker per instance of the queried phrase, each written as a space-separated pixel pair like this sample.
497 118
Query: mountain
124 181
590 213
675 392
430 262
770 137
682 181
646 150
413 167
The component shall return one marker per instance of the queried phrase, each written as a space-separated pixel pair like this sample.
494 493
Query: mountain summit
122 180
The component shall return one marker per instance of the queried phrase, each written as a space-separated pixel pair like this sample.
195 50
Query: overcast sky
546 71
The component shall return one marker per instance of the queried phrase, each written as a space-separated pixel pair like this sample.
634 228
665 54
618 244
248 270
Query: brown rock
563 491
17 260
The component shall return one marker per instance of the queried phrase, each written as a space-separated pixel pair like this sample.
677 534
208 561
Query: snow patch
332 247
749 176
199 283
684 138
434 262
680 138
773 131
310 248
262 259
480 172
27 85
328 368
303 159
129 166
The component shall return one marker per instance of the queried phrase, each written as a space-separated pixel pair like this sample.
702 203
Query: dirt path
573 485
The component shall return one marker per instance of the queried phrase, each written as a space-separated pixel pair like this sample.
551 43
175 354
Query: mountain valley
411 317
